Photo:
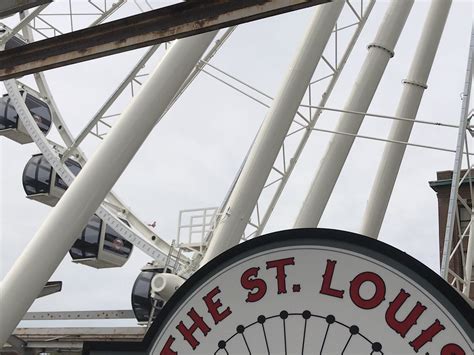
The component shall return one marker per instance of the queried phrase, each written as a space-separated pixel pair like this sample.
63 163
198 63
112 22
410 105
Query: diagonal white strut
413 89
378 56
272 133
57 234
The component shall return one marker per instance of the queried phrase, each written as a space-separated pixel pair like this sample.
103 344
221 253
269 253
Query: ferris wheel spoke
330 319
246 343
304 336
284 316
347 343
261 319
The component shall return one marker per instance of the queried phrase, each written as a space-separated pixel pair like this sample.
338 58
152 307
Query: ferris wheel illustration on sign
298 333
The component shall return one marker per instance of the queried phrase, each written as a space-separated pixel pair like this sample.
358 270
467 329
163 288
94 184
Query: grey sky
192 156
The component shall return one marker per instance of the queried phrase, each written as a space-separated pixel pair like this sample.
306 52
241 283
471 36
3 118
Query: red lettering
198 323
167 348
426 335
379 294
256 284
214 305
452 349
402 327
280 268
327 280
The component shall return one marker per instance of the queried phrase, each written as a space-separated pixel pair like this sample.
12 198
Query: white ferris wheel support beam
321 107
272 133
413 89
378 56
29 274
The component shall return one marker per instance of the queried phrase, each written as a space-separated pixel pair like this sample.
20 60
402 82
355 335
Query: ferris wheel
30 113
239 341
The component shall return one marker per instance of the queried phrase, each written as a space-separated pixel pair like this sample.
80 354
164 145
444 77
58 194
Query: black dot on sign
376 346
283 314
354 329
306 314
240 329
261 319
330 319
221 344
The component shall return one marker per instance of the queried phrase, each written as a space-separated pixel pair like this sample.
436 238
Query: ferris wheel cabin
143 304
13 42
100 246
11 125
42 183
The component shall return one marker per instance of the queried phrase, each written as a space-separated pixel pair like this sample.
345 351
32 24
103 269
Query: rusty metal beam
157 26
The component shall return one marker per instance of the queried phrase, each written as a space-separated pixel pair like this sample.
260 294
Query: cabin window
37 175
115 244
8 115
40 112
87 246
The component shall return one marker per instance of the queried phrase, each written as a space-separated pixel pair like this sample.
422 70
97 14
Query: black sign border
456 304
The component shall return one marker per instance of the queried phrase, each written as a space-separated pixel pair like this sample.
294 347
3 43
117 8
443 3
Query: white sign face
314 292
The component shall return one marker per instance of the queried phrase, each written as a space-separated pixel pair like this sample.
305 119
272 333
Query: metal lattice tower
458 239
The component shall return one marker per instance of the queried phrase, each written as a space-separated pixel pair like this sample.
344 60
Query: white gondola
100 246
42 183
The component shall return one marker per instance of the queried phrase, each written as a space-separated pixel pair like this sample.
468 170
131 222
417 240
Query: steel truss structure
185 252
459 236
304 121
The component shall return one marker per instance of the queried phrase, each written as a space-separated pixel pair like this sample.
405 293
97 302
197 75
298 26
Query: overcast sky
193 154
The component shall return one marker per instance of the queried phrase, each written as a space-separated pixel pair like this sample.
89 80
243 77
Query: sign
314 292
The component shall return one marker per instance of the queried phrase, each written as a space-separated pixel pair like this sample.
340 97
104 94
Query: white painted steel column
379 53
272 132
56 235
414 87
